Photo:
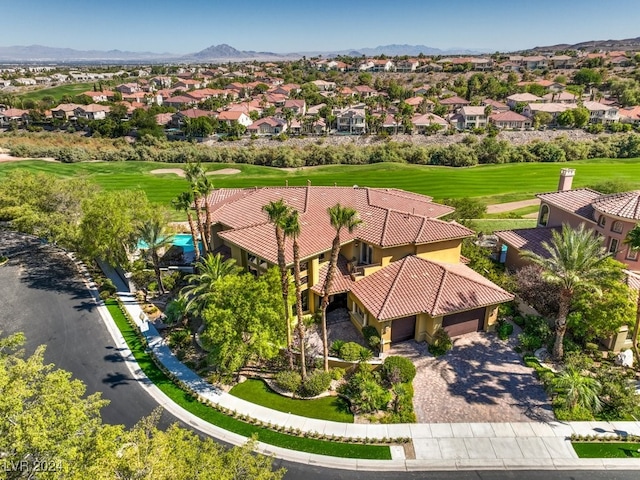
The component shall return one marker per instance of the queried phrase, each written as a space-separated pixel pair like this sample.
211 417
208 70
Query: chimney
566 179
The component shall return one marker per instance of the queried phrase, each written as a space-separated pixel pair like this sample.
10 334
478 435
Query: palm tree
182 203
291 228
633 240
204 188
580 390
200 285
341 217
278 211
575 259
154 234
194 173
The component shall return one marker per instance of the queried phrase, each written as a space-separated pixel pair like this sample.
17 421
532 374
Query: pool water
184 240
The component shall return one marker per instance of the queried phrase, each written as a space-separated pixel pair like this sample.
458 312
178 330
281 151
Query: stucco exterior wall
448 251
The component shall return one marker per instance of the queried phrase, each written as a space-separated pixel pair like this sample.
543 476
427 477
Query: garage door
464 322
403 329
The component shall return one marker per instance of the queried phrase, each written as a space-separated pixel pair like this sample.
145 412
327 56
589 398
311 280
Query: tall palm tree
204 188
580 390
155 235
278 211
633 240
182 203
575 259
194 173
200 285
341 217
291 228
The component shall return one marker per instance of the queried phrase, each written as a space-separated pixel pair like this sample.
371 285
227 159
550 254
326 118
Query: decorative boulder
624 359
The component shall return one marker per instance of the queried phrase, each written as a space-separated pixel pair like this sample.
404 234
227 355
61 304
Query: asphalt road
42 295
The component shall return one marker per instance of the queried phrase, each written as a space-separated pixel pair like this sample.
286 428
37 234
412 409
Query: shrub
170 280
288 380
337 373
104 295
504 329
441 343
529 342
179 338
315 384
538 326
575 414
398 370
372 396
336 346
351 351
371 335
107 286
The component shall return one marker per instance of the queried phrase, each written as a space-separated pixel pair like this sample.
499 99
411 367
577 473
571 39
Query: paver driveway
482 379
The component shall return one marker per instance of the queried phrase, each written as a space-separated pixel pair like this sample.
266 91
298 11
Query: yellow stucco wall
385 337
389 255
448 251
490 318
238 254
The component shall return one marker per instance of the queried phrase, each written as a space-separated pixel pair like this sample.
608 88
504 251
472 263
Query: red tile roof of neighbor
575 201
508 116
390 217
444 288
528 239
625 205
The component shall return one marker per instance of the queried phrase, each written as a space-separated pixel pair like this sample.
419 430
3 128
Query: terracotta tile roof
528 239
454 101
625 205
444 289
508 116
575 201
341 279
391 217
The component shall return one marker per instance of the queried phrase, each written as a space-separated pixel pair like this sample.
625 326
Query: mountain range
40 53
224 52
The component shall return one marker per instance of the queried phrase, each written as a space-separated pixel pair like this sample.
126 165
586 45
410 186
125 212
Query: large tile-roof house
400 271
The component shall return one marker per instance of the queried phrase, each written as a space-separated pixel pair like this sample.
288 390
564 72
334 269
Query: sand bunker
5 157
224 171
175 171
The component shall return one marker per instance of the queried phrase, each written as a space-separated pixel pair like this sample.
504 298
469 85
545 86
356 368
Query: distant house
630 115
560 97
407 66
510 120
351 120
324 86
554 109
16 115
298 106
230 116
179 101
454 103
472 117
128 88
422 123
495 105
516 98
92 111
96 96
179 118
600 113
563 62
267 126
188 84
64 111
364 91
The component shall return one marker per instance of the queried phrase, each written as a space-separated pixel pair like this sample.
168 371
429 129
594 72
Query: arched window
602 220
543 218
617 226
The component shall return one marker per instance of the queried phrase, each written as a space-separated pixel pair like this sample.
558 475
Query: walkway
444 446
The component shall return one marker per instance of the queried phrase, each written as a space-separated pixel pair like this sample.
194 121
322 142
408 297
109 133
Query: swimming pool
184 240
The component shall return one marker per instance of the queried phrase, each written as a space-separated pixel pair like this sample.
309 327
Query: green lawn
490 225
492 183
335 409
57 92
211 415
607 449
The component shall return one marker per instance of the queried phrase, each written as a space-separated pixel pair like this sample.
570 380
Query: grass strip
211 415
335 409
607 449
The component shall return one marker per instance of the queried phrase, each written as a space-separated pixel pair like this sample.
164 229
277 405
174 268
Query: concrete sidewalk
444 446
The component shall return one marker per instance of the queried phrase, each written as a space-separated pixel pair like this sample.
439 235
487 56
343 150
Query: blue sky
292 26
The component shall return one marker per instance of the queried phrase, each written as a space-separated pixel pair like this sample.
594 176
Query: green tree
243 320
565 119
587 76
291 229
341 217
466 208
579 390
111 224
580 117
575 259
156 237
204 187
182 203
278 211
201 285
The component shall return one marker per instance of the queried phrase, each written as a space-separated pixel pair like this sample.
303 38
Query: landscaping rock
624 359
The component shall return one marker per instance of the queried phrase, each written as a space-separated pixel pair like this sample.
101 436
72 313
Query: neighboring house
534 62
560 97
630 115
230 116
600 113
495 105
96 96
407 66
510 120
472 117
159 83
399 272
64 111
351 120
612 216
364 91
324 86
267 126
25 81
299 107
92 111
516 98
563 61
554 109
179 101
454 103
128 88
482 64
188 84
422 123
178 119
13 115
